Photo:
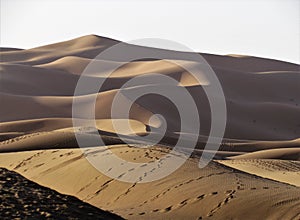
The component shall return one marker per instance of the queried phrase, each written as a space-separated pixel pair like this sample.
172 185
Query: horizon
157 47
273 32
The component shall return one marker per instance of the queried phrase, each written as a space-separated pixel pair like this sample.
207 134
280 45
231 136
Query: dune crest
256 166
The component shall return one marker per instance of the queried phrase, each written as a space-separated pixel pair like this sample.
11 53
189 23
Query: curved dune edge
280 170
42 80
214 191
256 172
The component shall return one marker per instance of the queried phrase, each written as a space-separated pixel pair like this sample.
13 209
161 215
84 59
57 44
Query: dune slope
256 166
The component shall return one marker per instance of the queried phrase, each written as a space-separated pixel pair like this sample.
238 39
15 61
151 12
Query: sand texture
255 173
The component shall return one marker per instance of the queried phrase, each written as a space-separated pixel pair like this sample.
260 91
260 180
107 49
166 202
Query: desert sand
254 175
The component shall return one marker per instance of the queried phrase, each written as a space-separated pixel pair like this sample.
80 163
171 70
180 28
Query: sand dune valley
255 174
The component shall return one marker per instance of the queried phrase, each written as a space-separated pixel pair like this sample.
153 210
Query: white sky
265 28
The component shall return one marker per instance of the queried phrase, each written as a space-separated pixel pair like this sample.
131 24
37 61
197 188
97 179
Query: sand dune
252 87
280 170
255 168
87 46
214 191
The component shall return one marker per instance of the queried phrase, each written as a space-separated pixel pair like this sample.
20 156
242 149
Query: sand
256 168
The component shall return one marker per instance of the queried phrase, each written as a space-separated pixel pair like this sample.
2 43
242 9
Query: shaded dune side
253 87
246 120
91 45
42 81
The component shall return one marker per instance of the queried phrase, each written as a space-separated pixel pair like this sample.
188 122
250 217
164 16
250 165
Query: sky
263 28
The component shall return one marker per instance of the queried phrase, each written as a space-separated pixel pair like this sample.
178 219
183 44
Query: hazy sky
266 28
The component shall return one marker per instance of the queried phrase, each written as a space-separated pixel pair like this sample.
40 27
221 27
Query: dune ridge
257 164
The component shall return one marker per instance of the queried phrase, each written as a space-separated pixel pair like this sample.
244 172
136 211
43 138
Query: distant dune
257 165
